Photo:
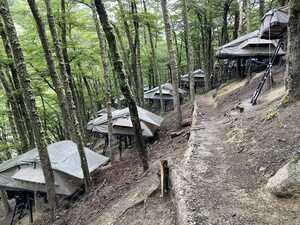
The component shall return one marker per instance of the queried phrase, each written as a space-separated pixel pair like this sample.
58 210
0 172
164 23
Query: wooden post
164 177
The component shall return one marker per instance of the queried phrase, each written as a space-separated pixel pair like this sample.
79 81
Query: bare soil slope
232 154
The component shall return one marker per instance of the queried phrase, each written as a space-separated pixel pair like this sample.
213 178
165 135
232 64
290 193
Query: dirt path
213 188
140 205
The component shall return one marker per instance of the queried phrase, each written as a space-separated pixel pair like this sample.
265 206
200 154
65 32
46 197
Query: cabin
24 172
199 79
246 54
123 132
152 97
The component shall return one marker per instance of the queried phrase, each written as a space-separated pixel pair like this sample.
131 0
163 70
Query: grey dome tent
24 172
274 23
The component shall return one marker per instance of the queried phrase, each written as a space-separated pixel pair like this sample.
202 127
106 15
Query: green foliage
83 47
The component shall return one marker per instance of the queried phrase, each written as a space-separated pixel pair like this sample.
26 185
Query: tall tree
172 62
77 136
105 66
23 111
189 49
137 50
52 70
293 66
133 53
154 60
21 129
30 101
243 21
224 34
118 66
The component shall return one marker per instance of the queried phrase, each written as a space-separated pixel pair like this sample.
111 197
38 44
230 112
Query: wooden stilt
164 177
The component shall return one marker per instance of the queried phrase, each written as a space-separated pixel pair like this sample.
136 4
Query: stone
286 182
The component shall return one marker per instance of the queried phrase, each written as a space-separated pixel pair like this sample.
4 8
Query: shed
248 46
274 23
122 125
24 173
199 79
153 97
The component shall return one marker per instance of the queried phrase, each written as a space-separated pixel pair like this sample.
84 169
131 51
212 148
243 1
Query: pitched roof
167 91
64 157
249 45
25 173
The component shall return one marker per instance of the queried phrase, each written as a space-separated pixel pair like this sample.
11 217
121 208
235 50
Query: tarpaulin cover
274 23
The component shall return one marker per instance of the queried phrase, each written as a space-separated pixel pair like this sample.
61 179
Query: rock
286 182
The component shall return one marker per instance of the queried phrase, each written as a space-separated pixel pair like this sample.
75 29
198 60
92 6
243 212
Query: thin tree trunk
132 47
154 61
236 24
261 8
28 132
124 53
104 60
118 65
172 62
52 70
65 53
77 136
224 36
189 50
137 45
14 108
30 101
293 66
13 127
90 94
244 17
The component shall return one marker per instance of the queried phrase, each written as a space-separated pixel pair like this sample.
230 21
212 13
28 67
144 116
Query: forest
84 72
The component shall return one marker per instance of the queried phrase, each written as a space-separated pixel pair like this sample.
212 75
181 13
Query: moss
271 115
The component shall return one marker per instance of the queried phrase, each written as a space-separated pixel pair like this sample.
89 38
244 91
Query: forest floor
122 193
219 167
233 153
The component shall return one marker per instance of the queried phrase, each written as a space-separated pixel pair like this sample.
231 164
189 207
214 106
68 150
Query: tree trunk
261 8
124 53
52 70
243 21
118 66
293 66
66 55
30 101
189 50
154 61
172 62
5 202
104 60
224 36
137 45
77 136
23 111
236 24
132 47
15 112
